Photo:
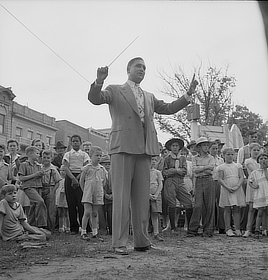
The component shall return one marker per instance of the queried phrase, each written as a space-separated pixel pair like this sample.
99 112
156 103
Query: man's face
253 138
136 71
60 151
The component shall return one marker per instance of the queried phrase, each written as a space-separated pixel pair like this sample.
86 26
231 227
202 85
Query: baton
123 50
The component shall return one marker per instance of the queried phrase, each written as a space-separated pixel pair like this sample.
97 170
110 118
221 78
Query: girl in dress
251 164
232 196
61 204
258 180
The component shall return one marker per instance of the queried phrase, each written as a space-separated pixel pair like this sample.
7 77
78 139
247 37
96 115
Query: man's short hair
132 61
8 188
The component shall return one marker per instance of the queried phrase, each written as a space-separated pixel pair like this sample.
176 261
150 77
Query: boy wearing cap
108 196
175 168
204 205
30 174
60 149
4 169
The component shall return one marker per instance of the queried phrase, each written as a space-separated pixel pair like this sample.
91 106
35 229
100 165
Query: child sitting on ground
13 225
92 180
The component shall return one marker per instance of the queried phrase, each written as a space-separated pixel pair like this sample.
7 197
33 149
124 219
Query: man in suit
133 140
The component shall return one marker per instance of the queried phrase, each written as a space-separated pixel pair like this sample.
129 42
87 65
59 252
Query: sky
90 34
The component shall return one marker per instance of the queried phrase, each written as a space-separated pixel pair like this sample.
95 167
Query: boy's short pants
93 193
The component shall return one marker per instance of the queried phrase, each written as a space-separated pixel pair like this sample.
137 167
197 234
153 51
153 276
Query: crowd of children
46 190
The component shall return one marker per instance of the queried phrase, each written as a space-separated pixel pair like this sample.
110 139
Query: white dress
257 177
250 191
231 179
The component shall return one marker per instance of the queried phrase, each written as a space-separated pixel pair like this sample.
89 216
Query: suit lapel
129 96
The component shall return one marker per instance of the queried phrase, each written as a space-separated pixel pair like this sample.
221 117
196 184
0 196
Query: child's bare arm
27 227
39 173
221 181
82 180
68 172
241 178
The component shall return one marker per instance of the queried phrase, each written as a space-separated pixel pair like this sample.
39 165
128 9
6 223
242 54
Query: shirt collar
174 156
132 84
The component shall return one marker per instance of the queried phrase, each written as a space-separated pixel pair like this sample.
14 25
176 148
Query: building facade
24 124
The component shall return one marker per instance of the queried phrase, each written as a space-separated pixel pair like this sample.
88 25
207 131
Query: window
39 135
30 135
2 123
49 140
19 131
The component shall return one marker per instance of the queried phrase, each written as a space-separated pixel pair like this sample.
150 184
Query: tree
247 121
213 94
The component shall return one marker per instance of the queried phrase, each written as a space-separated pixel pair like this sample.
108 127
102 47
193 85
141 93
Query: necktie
140 101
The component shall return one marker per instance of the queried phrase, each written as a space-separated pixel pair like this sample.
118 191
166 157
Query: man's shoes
158 238
121 250
146 248
74 232
207 234
221 231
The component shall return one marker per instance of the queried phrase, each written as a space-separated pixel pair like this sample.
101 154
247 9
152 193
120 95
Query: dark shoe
121 251
158 238
207 234
74 232
85 237
97 237
142 249
221 231
191 234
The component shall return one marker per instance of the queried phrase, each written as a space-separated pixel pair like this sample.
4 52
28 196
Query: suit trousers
130 175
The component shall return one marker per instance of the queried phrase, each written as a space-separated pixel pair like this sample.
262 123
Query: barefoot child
13 225
92 180
232 196
61 204
155 207
259 181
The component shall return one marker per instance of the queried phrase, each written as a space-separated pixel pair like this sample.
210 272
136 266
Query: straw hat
174 140
201 140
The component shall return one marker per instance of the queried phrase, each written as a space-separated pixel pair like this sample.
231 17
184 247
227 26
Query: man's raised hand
102 74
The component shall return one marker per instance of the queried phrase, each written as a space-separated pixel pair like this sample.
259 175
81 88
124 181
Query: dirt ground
68 257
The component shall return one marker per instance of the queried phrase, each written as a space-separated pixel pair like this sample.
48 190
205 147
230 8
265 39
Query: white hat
201 140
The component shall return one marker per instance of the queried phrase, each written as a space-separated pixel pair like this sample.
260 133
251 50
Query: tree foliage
213 94
247 121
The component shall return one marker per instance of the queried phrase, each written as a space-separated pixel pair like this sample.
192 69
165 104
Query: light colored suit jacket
127 132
